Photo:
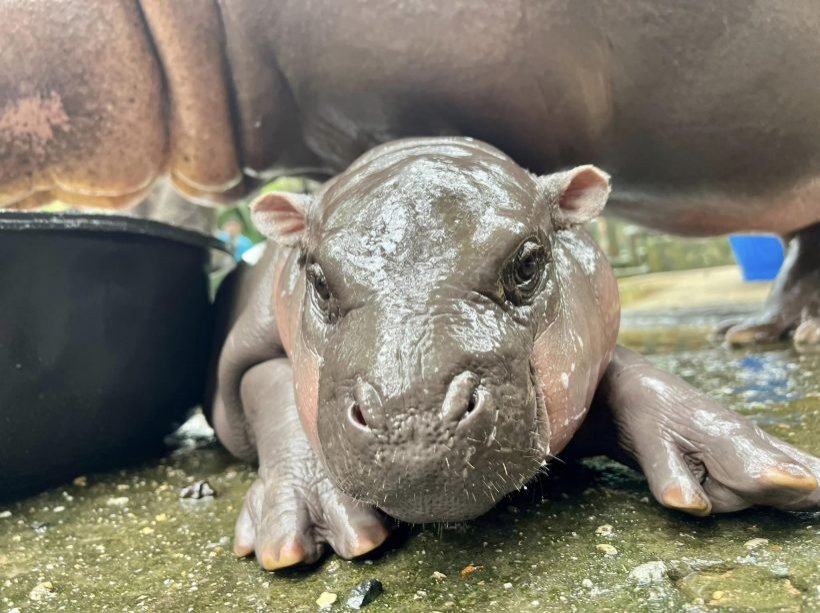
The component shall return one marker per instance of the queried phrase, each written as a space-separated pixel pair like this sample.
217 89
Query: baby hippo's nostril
365 411
463 398
472 403
356 415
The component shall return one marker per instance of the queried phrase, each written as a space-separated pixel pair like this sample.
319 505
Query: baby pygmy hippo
424 333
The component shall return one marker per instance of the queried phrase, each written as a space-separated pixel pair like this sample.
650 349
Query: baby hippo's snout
441 449
464 399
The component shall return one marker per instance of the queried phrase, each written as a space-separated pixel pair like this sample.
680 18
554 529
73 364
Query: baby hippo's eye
321 291
525 272
317 279
526 269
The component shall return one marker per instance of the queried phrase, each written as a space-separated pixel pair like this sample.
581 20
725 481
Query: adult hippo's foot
794 302
698 456
293 509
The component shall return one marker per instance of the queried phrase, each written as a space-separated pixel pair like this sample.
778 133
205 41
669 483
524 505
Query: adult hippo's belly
701 116
706 116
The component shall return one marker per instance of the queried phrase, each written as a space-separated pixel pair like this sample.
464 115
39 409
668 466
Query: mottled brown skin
396 348
81 104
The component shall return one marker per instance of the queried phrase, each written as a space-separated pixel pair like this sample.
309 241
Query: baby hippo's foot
792 305
699 457
701 471
291 513
293 509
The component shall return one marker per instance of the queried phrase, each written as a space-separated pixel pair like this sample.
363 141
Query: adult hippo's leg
794 302
698 456
293 508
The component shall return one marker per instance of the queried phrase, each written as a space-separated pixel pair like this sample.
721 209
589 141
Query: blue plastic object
758 255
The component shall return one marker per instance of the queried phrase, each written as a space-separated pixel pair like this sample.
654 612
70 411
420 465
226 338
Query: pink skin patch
571 355
30 122
288 292
306 387
568 375
282 304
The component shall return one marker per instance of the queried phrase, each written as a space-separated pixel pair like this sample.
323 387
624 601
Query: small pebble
649 572
606 549
587 584
80 481
5 514
40 527
755 543
326 600
42 591
438 576
508 586
119 501
197 491
605 530
364 593
161 517
147 530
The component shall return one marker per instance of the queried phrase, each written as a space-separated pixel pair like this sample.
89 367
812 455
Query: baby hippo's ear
281 216
575 196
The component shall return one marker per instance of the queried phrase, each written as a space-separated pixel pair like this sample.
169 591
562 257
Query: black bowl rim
105 224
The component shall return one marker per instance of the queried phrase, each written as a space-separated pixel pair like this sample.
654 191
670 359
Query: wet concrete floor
588 538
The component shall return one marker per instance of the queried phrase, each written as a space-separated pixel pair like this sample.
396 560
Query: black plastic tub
105 325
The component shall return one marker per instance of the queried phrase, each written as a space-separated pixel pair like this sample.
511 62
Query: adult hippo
706 113
426 332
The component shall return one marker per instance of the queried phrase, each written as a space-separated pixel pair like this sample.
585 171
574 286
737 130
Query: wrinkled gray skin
705 113
399 346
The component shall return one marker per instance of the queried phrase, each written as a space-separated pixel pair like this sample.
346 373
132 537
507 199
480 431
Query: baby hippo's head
425 277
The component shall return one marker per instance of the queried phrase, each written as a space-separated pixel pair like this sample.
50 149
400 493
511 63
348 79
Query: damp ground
588 538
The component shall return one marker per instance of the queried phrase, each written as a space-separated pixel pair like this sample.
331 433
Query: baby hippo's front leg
698 456
293 509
